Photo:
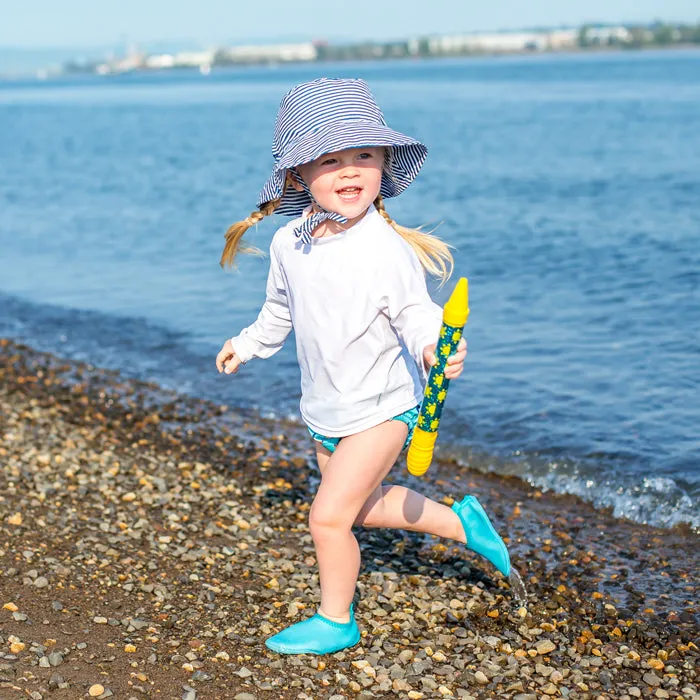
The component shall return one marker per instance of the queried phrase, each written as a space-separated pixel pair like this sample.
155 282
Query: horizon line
259 41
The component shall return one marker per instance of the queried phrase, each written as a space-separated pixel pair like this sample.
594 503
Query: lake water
569 186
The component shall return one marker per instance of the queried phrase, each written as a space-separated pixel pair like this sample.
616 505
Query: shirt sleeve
267 334
405 300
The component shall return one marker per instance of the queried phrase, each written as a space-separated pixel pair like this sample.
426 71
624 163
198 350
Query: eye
328 161
365 156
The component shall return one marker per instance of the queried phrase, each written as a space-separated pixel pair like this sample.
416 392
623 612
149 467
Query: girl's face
345 182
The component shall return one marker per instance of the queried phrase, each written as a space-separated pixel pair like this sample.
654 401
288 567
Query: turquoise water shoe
317 635
481 534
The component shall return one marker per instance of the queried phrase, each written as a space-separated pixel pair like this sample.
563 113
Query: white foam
658 501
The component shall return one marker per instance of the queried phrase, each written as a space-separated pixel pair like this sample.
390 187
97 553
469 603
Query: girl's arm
267 334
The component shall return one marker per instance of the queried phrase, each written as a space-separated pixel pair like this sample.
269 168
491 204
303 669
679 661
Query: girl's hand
227 361
455 363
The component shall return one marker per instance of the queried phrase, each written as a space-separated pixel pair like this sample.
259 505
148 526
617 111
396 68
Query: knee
325 520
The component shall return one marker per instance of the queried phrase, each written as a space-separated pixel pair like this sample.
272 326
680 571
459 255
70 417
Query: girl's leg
348 478
466 522
401 508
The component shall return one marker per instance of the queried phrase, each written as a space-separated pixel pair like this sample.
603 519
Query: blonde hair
234 244
434 255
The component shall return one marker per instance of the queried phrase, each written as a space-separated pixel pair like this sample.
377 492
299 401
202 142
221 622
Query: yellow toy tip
456 310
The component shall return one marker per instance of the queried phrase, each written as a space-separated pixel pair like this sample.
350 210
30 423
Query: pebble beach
150 543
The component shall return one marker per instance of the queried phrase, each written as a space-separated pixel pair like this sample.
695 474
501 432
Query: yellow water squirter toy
454 317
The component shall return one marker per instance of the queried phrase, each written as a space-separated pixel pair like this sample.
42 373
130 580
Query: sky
87 23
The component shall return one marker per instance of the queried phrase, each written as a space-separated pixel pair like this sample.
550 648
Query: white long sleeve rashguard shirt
362 315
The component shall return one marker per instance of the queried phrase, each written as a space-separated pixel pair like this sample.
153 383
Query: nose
349 170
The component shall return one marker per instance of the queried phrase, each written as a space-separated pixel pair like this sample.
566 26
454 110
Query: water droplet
518 587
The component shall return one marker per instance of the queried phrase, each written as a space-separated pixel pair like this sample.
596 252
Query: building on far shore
186 59
503 42
273 53
133 61
607 35
561 39
204 60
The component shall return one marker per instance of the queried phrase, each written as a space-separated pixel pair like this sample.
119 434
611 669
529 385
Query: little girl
351 284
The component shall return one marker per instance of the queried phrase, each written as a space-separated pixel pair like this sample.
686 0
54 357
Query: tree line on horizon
658 34
586 37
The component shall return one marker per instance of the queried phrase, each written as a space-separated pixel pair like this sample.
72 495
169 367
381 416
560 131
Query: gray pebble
201 676
55 659
420 666
429 683
396 671
55 680
651 679
139 624
605 680
405 656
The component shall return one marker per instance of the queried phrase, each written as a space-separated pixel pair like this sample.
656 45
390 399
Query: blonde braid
234 245
433 254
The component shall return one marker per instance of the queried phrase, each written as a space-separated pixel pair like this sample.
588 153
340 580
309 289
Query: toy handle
420 451
454 318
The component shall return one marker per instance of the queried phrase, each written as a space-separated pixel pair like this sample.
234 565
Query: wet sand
149 543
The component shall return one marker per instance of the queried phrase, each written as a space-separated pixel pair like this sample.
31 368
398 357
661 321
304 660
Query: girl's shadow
416 554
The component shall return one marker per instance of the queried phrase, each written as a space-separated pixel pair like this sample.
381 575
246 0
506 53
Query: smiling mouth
349 192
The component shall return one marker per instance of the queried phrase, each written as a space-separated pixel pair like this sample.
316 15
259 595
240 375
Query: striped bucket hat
327 115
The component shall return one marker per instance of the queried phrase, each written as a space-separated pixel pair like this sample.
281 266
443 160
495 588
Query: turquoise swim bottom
410 418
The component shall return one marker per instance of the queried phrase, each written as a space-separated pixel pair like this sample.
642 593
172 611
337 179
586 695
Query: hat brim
406 158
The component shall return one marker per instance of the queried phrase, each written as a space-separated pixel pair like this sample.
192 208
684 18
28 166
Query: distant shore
587 37
150 542
44 76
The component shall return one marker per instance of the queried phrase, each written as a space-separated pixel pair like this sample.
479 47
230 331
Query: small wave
658 501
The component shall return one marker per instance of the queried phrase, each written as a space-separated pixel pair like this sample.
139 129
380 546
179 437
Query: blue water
569 185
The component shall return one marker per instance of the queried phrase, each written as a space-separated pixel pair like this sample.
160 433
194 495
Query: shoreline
148 545
47 77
